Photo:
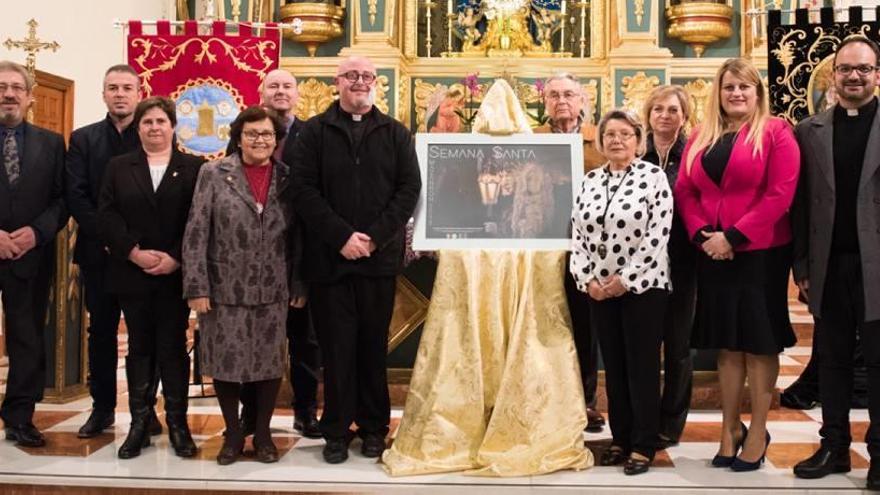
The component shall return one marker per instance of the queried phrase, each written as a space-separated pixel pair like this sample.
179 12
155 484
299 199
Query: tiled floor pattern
68 461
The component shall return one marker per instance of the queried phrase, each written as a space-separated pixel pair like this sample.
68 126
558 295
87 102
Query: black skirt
742 304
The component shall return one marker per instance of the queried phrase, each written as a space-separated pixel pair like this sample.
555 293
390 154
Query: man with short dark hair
355 185
31 214
837 252
91 147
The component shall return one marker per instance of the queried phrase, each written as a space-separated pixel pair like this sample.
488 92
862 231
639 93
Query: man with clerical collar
279 93
91 147
837 251
355 184
566 104
31 214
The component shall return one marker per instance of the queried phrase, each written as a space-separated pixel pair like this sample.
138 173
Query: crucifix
31 45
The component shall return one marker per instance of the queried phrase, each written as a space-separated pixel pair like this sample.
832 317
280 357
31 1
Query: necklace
609 196
260 179
663 152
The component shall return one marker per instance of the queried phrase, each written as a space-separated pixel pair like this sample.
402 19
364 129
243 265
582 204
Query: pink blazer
755 192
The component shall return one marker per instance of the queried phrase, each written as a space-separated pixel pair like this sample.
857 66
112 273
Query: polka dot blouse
620 226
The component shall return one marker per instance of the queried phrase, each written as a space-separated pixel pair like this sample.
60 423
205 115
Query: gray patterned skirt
244 343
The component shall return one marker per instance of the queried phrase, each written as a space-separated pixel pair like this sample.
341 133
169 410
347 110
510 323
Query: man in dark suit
31 214
91 147
837 251
279 93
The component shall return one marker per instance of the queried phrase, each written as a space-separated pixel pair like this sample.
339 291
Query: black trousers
24 346
807 385
584 338
103 332
305 366
351 319
842 324
678 364
156 324
629 329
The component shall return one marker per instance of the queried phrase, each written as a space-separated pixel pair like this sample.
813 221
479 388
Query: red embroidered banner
210 77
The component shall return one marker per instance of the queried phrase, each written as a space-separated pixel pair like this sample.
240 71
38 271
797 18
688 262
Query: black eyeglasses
353 75
863 70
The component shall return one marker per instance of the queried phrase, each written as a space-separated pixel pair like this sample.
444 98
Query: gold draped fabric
496 387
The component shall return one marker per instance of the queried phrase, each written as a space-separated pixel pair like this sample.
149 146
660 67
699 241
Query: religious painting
483 192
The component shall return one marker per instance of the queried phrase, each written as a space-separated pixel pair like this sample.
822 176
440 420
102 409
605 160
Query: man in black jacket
355 185
91 147
279 93
31 214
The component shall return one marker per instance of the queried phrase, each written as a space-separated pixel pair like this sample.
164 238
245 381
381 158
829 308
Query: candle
563 8
449 7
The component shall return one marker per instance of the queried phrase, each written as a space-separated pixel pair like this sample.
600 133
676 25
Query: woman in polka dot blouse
620 228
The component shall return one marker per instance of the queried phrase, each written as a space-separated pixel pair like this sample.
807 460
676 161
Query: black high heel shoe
722 461
740 465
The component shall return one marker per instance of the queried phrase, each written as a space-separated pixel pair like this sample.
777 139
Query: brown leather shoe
595 421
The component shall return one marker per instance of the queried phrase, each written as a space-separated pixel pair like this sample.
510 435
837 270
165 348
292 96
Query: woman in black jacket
142 212
666 112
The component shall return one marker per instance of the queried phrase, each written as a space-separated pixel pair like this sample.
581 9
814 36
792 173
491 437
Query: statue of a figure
467 22
508 29
545 25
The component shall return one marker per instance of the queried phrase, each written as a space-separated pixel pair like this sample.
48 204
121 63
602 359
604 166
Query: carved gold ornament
422 95
698 91
591 91
403 100
636 89
699 23
314 97
381 101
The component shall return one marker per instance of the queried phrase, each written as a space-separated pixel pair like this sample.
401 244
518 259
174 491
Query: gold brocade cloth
496 387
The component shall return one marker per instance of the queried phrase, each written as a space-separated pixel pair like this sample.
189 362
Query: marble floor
70 465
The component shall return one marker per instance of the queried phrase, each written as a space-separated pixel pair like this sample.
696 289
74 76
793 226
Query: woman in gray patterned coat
240 271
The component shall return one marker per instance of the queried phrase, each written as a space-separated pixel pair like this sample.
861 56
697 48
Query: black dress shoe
873 482
824 462
634 466
98 422
25 435
794 400
266 453
336 450
373 446
231 451
613 456
595 421
154 427
308 425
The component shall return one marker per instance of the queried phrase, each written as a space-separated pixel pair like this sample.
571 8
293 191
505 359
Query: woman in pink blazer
734 190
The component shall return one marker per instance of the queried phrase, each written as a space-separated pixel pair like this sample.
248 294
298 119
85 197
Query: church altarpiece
430 50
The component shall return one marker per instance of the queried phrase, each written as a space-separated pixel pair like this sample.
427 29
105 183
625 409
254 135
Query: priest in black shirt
837 251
